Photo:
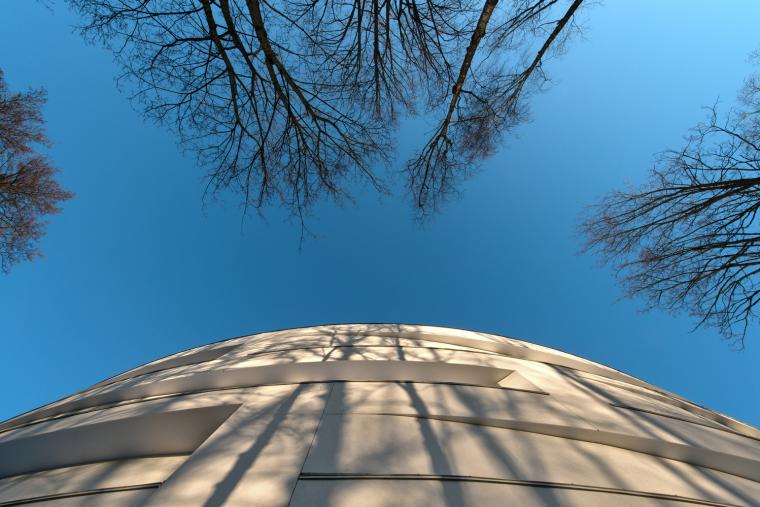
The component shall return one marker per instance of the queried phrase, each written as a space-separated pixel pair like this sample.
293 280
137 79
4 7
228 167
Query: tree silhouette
478 116
689 238
289 101
28 189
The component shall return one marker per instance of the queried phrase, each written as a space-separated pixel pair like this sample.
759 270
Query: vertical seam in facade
311 444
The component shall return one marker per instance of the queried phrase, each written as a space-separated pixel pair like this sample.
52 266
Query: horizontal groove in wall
294 373
89 492
731 464
172 433
739 427
716 426
105 406
201 356
548 356
361 346
511 482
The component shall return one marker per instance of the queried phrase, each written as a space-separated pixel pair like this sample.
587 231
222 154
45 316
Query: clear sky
137 268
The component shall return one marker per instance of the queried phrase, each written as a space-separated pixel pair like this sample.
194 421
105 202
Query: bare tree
28 190
478 115
288 101
689 238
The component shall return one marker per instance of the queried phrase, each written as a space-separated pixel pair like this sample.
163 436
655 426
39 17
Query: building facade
375 415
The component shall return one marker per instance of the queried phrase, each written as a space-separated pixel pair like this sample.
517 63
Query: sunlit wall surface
363 415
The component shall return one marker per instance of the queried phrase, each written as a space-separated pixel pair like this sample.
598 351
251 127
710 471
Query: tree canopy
688 239
28 189
289 101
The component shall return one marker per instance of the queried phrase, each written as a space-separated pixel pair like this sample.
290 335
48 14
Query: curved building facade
375 415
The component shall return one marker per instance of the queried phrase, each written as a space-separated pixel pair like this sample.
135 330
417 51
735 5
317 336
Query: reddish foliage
28 189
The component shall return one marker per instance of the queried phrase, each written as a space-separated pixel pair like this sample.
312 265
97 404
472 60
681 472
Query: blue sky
136 267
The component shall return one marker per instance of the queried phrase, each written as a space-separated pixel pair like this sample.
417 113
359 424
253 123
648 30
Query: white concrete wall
376 415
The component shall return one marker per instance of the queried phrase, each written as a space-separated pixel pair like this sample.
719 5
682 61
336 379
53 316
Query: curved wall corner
375 415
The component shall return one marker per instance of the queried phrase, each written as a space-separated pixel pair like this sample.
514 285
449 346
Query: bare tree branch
688 240
290 101
478 117
28 190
